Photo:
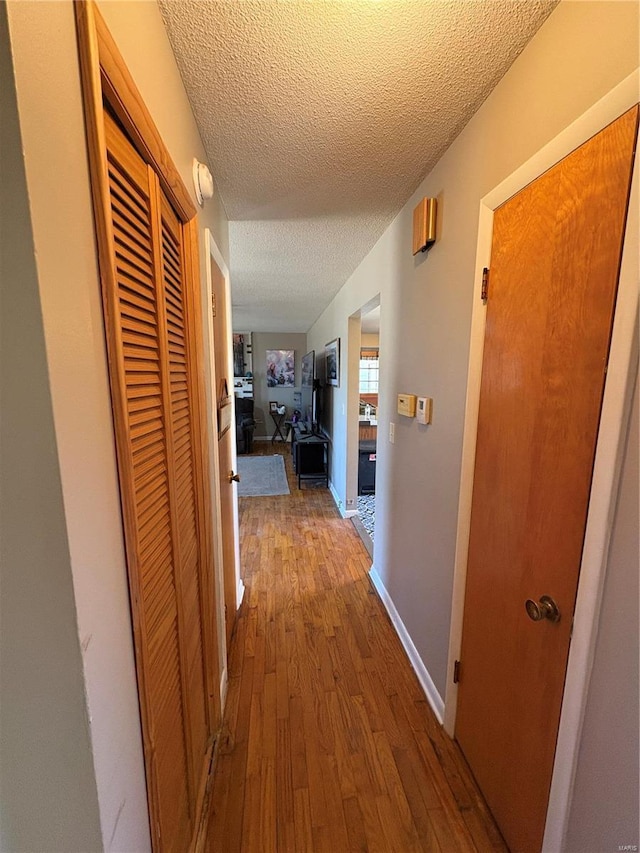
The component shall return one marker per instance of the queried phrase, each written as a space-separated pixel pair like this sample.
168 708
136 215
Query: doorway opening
365 415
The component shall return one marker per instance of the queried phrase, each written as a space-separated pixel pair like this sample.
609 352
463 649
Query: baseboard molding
268 438
362 533
345 513
430 691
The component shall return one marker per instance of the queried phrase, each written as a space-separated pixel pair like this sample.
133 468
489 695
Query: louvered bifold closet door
183 464
149 390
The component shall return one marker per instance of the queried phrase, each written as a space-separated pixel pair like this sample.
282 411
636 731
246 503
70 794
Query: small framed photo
332 354
273 407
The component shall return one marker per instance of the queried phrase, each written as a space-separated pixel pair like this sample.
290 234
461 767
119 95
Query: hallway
328 743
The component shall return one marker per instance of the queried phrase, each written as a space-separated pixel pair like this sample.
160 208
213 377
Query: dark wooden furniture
278 420
310 456
367 468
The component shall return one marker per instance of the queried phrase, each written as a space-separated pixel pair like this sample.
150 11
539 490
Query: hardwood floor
328 743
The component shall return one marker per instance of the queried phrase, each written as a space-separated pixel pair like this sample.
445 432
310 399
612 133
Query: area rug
262 475
367 512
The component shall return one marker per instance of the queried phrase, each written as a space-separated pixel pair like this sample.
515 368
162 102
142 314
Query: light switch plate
407 405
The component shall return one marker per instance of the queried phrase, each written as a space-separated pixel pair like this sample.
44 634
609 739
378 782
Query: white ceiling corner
321 117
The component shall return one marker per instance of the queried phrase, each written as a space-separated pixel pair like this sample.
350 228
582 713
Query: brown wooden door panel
554 270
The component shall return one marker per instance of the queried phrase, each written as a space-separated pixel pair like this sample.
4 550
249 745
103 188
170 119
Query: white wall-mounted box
424 410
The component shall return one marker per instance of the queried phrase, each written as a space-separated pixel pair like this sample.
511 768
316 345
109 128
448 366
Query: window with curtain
369 371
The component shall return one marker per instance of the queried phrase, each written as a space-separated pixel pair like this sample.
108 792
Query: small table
278 420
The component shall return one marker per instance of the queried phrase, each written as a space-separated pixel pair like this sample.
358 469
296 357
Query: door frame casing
354 345
608 459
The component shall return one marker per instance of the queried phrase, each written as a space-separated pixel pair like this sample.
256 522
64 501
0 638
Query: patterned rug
367 512
262 475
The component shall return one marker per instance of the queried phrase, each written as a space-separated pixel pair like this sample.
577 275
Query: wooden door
226 444
554 270
154 338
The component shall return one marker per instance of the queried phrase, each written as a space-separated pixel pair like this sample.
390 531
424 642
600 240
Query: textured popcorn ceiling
321 117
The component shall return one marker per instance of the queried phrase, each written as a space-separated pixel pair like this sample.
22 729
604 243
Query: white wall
370 340
608 760
582 51
63 255
48 796
262 341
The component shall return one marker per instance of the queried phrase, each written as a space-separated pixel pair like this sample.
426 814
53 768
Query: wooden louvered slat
137 316
159 591
139 392
122 188
154 547
136 334
129 276
139 360
145 484
127 195
141 381
138 406
174 303
133 298
146 451
137 348
170 762
145 447
145 429
129 255
128 230
133 206
136 289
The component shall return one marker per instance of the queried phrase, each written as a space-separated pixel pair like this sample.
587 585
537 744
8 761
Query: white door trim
615 413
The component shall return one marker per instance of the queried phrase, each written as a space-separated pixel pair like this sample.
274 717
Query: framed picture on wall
332 356
281 368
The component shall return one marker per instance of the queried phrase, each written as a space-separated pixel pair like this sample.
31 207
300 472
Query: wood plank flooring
328 743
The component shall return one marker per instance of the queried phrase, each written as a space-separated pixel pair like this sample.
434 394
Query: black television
324 398
307 391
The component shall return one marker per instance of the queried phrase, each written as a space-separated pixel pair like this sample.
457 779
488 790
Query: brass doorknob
233 477
545 609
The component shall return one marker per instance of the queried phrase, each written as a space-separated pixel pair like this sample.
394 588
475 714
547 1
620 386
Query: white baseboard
426 682
345 513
